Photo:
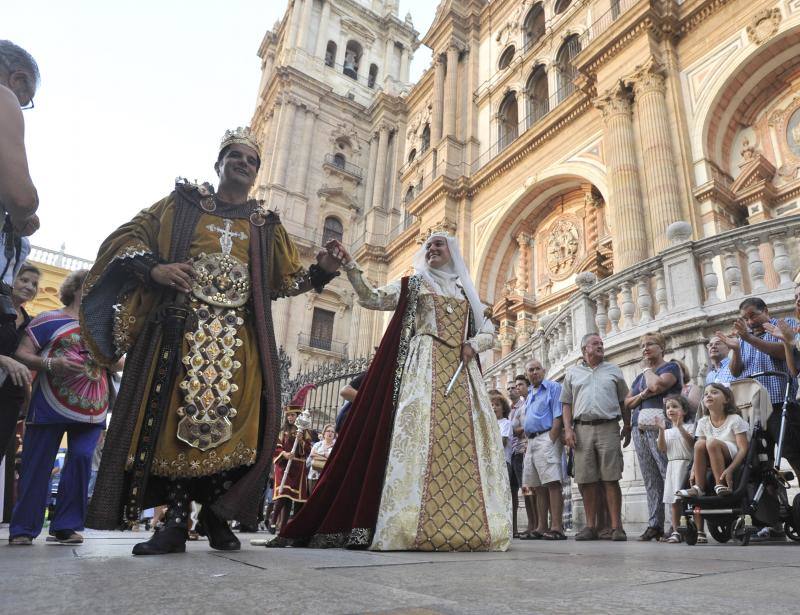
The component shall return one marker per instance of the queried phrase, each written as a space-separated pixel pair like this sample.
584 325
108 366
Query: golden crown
241 135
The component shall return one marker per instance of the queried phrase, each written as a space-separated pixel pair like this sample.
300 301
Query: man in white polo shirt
592 399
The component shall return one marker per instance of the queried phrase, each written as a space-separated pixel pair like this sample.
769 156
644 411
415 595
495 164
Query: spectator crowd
576 429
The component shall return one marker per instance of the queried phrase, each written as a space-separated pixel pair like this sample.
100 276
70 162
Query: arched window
506 57
409 195
373 75
566 69
425 142
352 59
537 94
322 328
339 160
561 6
507 120
330 54
333 229
533 26
411 155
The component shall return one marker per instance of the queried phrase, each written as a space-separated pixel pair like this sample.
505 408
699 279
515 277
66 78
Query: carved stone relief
764 25
562 246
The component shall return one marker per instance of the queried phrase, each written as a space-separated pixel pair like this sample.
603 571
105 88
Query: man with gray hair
592 403
19 76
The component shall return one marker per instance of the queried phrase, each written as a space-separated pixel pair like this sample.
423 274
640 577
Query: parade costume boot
220 536
172 538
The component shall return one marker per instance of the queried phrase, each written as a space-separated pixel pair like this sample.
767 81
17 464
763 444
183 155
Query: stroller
760 486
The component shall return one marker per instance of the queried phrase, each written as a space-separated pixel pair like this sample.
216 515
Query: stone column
663 197
387 57
380 168
438 96
294 24
301 175
523 264
371 165
630 241
322 33
405 61
268 147
451 92
283 142
305 24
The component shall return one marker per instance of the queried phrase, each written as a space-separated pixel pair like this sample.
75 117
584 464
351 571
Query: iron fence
324 401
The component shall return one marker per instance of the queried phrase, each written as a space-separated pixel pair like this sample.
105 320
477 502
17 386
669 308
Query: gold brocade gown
446 485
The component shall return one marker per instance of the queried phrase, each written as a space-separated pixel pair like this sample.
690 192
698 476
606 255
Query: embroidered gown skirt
446 486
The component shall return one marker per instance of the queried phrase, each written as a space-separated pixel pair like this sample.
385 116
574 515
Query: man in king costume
184 291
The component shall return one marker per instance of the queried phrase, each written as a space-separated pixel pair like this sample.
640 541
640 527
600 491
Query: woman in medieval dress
416 468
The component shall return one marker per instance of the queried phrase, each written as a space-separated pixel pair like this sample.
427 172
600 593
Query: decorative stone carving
764 25
346 130
679 232
562 246
585 280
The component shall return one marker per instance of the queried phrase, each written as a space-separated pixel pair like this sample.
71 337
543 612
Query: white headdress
451 279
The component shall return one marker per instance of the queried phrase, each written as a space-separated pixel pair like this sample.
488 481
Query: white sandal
701 538
692 492
674 538
722 490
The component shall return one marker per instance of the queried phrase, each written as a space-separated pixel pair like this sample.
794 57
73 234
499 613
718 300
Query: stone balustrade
687 291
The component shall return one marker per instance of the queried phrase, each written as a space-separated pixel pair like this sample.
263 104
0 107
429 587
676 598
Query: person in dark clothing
14 376
349 394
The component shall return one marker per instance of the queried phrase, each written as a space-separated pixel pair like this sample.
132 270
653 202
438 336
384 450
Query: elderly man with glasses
19 76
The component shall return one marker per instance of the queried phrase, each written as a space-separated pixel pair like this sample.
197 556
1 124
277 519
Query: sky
135 94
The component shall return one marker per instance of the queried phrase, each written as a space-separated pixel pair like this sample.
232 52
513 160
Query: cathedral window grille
561 6
533 27
352 59
330 54
615 10
425 142
322 329
332 229
409 195
373 75
506 57
537 94
508 120
565 67
339 160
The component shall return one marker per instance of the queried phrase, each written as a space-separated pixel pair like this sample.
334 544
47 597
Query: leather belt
597 421
531 436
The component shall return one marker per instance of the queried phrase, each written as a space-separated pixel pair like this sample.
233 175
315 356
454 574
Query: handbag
318 464
648 417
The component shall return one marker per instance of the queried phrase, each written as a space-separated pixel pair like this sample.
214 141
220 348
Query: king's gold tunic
209 384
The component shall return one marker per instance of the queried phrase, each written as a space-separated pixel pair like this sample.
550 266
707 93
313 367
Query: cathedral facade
573 146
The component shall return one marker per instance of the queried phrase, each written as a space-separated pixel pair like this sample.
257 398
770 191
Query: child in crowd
722 442
678 443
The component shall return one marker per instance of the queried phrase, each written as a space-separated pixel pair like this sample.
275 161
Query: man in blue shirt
542 467
755 350
718 362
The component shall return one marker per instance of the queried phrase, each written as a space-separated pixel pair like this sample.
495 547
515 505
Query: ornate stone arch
731 85
489 256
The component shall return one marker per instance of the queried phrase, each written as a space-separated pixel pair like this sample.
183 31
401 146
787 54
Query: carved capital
615 101
648 77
